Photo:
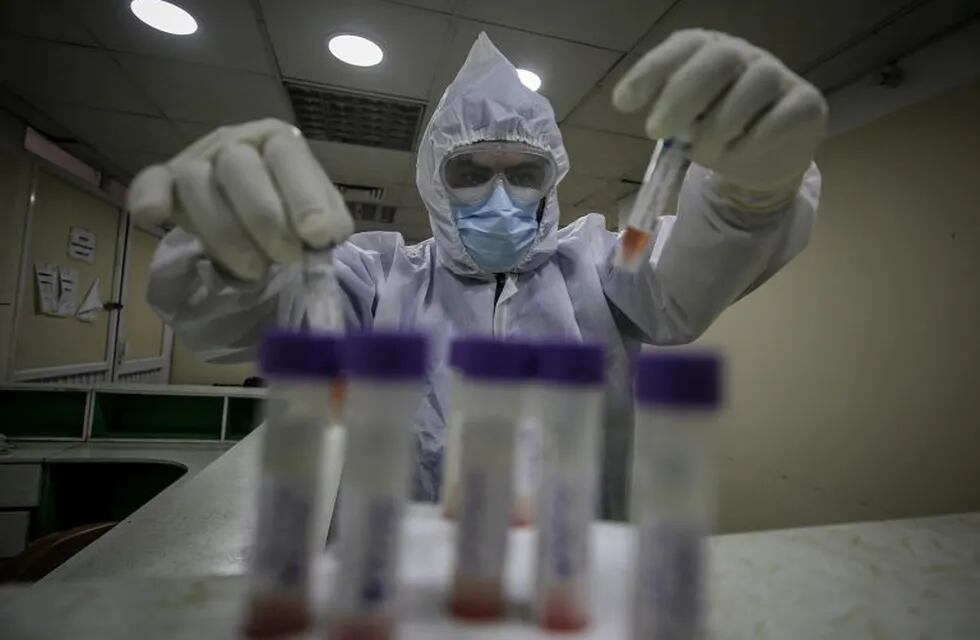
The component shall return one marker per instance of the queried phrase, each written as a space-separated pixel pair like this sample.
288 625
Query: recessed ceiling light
355 50
529 79
164 16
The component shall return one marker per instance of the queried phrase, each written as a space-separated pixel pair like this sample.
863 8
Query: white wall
855 373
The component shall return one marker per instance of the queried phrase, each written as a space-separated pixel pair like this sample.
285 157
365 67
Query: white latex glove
253 194
748 118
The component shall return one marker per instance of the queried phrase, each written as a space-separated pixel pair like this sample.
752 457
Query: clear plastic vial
385 373
300 368
489 397
527 457
449 491
677 397
657 197
568 400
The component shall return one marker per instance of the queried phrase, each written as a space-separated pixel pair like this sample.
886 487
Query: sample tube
527 457
449 491
528 451
385 373
657 197
489 395
568 399
300 368
673 491
324 306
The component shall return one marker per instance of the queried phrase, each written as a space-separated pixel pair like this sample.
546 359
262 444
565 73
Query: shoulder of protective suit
422 253
590 223
382 242
392 243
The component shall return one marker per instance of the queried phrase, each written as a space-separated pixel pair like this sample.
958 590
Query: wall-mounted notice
81 244
91 304
67 291
46 278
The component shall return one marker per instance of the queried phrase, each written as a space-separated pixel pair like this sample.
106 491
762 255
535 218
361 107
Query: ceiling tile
574 187
797 32
411 38
27 112
777 32
191 131
567 70
569 213
133 160
893 41
604 155
41 19
596 110
608 207
228 34
615 190
39 70
364 165
636 173
104 129
444 6
208 94
613 24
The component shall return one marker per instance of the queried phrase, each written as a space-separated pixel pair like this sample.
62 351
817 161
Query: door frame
101 371
121 367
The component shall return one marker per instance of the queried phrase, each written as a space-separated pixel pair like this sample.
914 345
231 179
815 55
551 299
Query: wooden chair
45 554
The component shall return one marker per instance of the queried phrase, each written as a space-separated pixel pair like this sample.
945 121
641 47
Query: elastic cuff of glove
756 200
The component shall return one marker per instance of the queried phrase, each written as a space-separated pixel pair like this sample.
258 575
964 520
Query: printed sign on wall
68 291
46 277
81 244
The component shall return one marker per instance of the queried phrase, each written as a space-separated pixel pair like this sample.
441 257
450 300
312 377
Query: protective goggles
471 173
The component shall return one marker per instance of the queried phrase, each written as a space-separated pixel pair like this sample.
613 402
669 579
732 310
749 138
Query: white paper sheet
67 290
46 278
81 244
91 304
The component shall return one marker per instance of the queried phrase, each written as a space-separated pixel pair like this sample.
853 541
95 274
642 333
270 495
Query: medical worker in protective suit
247 198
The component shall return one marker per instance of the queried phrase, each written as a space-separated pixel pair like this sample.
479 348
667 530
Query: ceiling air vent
360 192
324 113
368 212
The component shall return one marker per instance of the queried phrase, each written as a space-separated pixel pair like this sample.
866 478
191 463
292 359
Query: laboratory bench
174 570
91 454
46 487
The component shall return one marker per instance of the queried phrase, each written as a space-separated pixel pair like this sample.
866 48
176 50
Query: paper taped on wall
68 291
81 244
91 304
46 278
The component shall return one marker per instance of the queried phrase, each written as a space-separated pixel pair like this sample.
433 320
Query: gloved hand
253 194
754 123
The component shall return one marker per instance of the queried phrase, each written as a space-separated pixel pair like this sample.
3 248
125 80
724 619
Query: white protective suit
703 260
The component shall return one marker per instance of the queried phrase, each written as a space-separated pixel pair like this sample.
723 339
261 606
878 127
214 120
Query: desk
917 578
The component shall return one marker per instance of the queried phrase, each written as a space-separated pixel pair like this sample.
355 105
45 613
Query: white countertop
193 455
917 578
193 528
173 569
34 452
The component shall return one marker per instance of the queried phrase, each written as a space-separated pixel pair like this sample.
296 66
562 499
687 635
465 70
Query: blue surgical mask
497 233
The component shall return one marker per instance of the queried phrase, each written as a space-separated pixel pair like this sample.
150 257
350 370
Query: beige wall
142 328
855 373
187 368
